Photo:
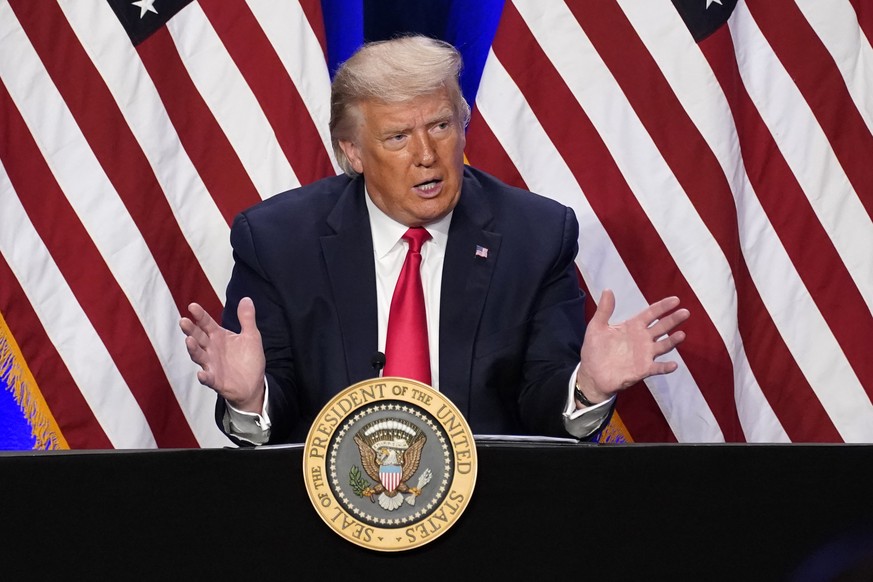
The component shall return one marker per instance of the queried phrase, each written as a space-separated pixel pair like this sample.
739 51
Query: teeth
428 185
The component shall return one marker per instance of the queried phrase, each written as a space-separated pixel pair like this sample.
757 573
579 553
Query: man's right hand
231 364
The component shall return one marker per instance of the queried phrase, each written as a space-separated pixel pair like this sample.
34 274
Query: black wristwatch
581 397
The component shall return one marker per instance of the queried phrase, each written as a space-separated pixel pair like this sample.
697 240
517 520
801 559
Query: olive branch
357 481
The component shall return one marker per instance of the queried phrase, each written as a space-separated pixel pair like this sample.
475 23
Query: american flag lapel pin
481 251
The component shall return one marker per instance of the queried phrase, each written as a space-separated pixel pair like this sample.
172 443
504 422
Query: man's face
411 155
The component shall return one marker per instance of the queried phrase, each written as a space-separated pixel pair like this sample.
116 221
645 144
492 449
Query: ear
353 153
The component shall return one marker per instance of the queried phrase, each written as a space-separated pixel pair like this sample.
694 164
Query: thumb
605 308
245 312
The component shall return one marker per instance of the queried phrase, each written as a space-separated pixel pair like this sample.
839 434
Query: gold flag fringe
615 432
17 375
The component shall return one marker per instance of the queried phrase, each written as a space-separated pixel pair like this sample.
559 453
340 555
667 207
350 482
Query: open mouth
429 188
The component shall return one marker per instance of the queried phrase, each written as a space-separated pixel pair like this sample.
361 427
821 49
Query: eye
396 138
395 141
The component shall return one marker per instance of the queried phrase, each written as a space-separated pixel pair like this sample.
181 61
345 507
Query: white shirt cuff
582 422
251 427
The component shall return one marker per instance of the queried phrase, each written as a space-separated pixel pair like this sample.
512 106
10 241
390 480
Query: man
315 271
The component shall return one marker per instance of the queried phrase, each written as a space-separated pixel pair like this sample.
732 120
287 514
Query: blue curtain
468 24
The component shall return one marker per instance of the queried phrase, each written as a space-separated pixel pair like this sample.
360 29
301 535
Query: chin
433 214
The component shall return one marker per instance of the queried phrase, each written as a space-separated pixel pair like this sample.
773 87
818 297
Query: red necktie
406 348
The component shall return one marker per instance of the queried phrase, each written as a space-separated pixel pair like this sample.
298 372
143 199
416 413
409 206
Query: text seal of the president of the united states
390 464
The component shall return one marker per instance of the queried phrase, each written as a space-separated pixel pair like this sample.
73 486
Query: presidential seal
389 464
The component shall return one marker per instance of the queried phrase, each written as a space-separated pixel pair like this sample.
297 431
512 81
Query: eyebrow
443 115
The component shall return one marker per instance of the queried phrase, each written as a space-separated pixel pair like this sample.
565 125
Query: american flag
130 139
715 150
720 151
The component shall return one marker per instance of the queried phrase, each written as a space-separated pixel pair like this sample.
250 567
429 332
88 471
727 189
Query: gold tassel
615 431
14 370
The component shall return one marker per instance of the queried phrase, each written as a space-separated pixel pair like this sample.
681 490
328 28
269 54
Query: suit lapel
466 280
348 257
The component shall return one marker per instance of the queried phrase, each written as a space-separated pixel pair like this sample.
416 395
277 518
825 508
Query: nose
424 152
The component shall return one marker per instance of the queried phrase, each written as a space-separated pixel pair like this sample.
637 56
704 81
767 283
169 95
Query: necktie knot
416 236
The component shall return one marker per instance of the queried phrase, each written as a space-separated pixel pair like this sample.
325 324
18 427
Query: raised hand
614 357
231 364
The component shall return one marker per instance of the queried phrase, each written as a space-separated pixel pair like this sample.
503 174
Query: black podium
539 512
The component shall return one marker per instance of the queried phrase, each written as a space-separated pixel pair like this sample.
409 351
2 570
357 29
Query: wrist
254 403
581 392
581 398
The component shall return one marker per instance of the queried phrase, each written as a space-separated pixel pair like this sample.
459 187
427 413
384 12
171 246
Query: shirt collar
387 232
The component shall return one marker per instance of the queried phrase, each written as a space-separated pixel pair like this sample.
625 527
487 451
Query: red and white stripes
122 169
730 173
733 172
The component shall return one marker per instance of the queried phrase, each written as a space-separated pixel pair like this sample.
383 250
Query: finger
197 354
202 319
667 323
187 326
668 343
206 378
658 309
245 312
605 308
190 329
661 368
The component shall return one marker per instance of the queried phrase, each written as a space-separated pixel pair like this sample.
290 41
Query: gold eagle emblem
390 452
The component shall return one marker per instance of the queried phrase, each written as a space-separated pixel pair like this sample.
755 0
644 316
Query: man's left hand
615 357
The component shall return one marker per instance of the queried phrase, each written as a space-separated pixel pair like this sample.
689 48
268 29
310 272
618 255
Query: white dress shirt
389 251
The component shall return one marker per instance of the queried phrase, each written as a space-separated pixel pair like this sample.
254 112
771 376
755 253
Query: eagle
383 464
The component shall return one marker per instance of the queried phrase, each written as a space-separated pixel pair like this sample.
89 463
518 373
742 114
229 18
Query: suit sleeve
555 333
251 279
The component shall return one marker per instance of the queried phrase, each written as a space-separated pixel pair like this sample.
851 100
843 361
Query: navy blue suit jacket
511 324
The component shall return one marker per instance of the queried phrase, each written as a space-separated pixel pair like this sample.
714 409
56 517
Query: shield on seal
390 475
